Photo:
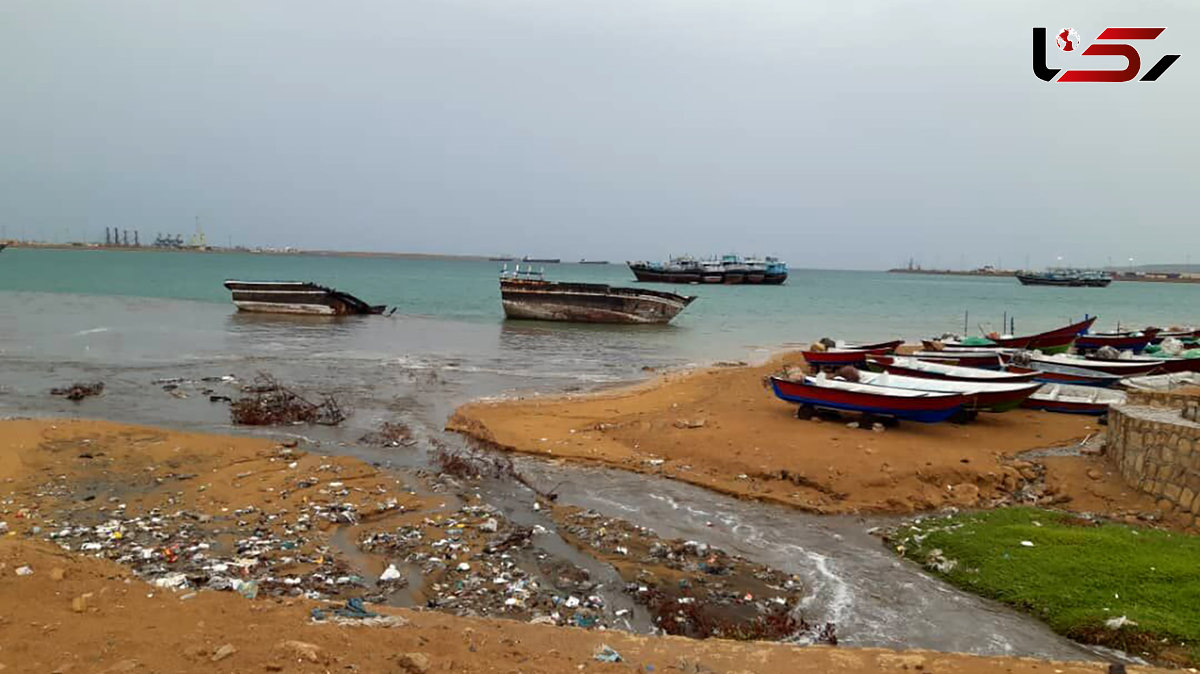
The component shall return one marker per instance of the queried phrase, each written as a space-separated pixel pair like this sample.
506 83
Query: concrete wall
1157 450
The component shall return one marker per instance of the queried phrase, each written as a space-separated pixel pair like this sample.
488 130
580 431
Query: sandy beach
71 611
722 428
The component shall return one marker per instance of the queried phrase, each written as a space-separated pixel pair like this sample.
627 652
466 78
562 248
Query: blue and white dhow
728 269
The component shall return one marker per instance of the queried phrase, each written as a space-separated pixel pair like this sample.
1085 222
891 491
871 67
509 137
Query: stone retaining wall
1157 450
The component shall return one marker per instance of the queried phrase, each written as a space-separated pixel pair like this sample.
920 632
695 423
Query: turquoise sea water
724 322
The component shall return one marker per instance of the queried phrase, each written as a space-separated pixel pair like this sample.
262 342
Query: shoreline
718 428
1118 276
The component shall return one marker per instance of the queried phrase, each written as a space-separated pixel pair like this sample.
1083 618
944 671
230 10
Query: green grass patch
1072 573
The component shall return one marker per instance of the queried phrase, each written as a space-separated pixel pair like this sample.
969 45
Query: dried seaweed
270 403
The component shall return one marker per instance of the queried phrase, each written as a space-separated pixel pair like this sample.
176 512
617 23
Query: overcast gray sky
837 133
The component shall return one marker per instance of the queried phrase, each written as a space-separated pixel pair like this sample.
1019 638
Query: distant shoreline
247 251
1143 277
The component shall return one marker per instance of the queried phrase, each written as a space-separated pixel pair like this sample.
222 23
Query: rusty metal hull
588 302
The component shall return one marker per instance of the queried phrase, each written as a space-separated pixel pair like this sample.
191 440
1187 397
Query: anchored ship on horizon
728 269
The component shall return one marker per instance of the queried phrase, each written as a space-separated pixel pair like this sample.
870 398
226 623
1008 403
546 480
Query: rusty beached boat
526 294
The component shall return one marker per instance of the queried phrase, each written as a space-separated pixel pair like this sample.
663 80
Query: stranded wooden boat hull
895 403
296 297
541 300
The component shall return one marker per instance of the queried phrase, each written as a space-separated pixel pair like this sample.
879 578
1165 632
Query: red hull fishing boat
1119 341
888 346
1051 341
838 357
821 393
913 367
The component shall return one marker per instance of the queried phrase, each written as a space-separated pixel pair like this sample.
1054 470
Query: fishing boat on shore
1067 399
296 297
976 359
525 294
913 367
1052 341
1161 382
1121 341
821 393
830 358
1126 367
1065 374
984 396
889 345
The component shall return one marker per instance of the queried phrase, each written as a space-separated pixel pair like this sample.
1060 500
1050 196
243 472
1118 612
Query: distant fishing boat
541 260
296 297
1074 399
502 258
1066 277
525 294
585 261
813 393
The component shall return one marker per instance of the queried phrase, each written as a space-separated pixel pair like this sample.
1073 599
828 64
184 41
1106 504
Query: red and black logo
1068 40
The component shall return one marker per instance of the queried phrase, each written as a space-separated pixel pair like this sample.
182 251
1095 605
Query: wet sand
71 611
723 429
